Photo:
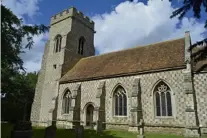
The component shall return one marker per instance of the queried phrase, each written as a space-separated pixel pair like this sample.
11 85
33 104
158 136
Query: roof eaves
122 75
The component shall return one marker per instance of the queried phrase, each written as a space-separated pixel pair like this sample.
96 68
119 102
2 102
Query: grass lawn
63 133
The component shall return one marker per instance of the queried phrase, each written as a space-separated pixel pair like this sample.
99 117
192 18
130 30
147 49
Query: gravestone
50 132
99 127
22 129
79 131
141 129
141 132
203 132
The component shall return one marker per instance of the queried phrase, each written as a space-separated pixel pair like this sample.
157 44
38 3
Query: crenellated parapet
72 13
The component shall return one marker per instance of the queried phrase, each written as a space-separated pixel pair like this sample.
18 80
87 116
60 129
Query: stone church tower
71 37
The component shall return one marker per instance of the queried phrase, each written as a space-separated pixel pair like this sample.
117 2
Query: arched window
163 104
120 102
81 45
66 102
58 40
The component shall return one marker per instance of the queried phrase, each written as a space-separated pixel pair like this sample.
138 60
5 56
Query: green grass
63 133
6 130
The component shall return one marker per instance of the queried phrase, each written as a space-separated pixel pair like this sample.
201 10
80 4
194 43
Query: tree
198 49
18 86
17 103
196 5
12 33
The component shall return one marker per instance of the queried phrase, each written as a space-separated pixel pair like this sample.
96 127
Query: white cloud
23 7
132 24
128 25
33 57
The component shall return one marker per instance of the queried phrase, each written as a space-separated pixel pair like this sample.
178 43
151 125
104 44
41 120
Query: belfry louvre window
58 41
66 102
81 45
162 96
120 102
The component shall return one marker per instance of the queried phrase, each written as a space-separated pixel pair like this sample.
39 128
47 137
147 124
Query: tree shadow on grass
70 133
6 130
60 133
93 134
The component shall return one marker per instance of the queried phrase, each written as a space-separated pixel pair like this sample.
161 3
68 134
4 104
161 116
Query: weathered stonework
71 25
35 114
200 86
147 81
188 90
175 79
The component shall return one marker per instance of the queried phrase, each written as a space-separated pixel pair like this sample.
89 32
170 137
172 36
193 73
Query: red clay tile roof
163 55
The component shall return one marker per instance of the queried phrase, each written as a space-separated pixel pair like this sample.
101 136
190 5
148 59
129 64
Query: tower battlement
72 13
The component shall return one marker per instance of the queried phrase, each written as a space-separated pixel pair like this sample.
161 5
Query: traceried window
58 40
81 45
162 96
66 102
120 102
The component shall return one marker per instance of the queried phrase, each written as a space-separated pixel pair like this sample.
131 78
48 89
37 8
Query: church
156 86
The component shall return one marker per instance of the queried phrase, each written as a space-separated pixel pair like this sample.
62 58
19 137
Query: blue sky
118 23
89 7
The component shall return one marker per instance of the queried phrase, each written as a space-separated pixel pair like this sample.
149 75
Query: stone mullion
118 105
166 107
160 104
115 105
122 104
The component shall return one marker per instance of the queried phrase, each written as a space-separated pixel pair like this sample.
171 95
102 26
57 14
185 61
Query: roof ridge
131 48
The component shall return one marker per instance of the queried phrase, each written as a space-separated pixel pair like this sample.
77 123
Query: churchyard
156 91
40 132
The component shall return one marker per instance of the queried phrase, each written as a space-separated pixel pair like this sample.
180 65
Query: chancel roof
141 59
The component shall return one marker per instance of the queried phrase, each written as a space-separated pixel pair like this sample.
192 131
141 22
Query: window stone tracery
120 102
163 102
66 102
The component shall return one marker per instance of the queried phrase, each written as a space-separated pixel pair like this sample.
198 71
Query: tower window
81 45
54 66
58 40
